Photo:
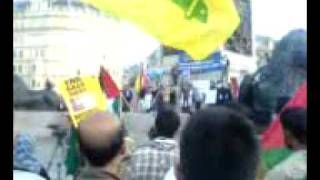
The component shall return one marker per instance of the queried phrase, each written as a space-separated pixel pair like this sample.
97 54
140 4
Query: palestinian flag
273 137
198 27
111 90
108 84
273 145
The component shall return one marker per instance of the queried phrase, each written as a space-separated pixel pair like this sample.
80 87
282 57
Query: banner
214 62
82 96
198 27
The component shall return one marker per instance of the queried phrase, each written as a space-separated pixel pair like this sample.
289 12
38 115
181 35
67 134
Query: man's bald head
100 137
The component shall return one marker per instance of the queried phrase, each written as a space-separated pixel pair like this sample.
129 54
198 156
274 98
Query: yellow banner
82 96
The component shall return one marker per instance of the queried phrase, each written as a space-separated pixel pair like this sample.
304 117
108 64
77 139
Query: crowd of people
222 140
218 142
186 97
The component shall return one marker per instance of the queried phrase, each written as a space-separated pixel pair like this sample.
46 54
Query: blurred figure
211 95
152 160
294 167
159 99
245 91
24 158
101 140
280 77
185 97
235 88
128 95
148 101
173 97
223 94
196 98
218 143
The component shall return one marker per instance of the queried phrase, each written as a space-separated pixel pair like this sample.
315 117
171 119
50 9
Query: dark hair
281 102
166 124
218 143
240 108
100 156
261 119
295 121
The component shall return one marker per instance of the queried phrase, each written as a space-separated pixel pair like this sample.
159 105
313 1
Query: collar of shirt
164 139
96 173
160 143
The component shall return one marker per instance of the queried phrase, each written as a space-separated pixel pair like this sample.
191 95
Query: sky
275 18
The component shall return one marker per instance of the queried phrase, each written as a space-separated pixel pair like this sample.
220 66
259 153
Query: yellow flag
198 27
139 83
82 96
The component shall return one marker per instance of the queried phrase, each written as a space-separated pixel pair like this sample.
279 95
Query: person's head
166 123
235 106
281 102
294 122
101 139
218 143
260 119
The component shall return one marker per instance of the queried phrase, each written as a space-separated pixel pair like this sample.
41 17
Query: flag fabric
235 88
109 86
111 90
271 158
72 161
273 137
198 27
141 82
116 106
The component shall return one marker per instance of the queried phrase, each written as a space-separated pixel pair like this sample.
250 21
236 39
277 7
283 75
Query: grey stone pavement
35 123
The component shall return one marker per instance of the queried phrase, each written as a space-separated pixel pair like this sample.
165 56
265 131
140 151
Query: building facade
264 48
54 40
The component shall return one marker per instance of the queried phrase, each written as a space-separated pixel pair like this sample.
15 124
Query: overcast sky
275 18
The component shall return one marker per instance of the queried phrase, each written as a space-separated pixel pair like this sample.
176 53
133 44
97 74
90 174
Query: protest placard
82 96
